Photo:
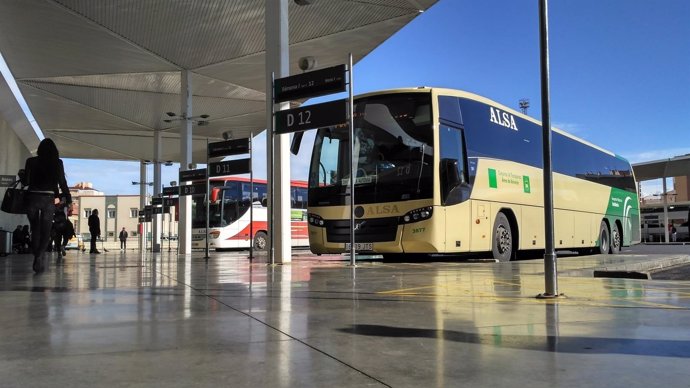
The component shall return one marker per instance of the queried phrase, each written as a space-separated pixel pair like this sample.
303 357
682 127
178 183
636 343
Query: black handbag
15 200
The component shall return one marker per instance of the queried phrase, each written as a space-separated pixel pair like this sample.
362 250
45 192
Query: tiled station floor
126 320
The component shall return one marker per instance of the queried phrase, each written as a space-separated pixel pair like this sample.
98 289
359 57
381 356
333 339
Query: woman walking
43 174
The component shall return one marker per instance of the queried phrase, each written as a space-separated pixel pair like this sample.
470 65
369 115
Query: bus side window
454 188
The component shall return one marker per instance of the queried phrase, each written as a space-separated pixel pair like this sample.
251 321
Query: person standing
123 239
44 174
673 233
94 229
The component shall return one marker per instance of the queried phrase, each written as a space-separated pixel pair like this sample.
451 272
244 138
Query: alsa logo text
381 209
502 118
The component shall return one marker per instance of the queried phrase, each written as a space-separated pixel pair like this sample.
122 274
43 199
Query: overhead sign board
311 84
312 116
158 210
193 175
170 202
228 148
171 190
230 167
156 201
7 180
198 189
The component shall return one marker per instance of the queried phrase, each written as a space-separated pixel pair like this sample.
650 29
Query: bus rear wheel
604 239
503 247
260 241
616 239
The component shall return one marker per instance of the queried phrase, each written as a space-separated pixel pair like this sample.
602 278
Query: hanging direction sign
228 148
198 189
192 175
170 202
311 84
7 180
312 116
230 167
171 190
158 210
156 201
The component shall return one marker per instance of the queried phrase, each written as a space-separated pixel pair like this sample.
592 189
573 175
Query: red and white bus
230 226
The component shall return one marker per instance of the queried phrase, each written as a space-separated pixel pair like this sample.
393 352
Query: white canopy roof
671 167
99 75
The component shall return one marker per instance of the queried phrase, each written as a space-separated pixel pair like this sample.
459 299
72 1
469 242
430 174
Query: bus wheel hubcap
616 239
503 239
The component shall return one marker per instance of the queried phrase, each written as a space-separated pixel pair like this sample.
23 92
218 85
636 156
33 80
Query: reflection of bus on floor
653 225
229 222
445 171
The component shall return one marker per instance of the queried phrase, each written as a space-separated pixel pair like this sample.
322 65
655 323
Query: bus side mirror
450 176
214 195
296 142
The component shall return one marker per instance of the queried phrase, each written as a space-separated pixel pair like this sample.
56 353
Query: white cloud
572 128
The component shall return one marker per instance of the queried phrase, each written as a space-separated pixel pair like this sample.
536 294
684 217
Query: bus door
455 188
230 212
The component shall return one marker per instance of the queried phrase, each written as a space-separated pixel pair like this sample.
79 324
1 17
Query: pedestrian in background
94 229
673 233
44 175
123 239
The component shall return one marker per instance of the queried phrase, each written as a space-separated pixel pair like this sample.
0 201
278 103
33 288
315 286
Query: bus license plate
361 246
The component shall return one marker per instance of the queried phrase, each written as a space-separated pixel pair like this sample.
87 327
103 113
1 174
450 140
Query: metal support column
278 146
185 218
156 219
665 199
550 271
142 204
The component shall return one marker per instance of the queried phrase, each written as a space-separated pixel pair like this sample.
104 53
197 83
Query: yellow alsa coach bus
446 171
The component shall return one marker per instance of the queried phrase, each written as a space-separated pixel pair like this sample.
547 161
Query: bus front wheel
503 247
260 241
604 239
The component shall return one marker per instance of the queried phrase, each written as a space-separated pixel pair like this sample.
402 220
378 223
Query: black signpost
193 175
311 116
312 84
171 190
195 189
170 201
228 148
229 167
7 180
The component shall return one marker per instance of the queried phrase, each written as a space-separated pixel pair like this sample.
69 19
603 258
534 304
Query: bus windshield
393 148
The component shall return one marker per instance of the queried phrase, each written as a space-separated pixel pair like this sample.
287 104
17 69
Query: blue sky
620 73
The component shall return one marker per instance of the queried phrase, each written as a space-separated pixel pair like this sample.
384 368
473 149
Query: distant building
116 212
681 185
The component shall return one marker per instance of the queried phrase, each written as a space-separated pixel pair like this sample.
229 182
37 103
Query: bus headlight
417 215
214 234
315 220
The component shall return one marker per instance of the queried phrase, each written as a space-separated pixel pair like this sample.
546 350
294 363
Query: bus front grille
369 230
